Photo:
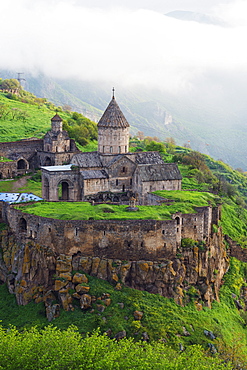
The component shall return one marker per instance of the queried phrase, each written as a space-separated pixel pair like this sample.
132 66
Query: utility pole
19 78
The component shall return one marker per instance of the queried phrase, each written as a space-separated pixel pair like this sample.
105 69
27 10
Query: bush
187 243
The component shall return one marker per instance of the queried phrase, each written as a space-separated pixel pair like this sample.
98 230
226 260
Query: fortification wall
22 147
125 239
8 169
34 271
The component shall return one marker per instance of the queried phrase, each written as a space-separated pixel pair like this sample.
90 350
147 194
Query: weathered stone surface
80 289
64 263
138 315
107 301
120 335
65 275
52 311
26 266
66 301
100 307
85 301
79 278
59 284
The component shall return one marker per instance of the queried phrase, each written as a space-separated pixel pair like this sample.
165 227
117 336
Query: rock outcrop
31 271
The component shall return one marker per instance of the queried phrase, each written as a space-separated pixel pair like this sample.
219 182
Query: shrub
187 243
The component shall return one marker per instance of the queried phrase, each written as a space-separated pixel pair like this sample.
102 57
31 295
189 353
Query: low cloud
122 45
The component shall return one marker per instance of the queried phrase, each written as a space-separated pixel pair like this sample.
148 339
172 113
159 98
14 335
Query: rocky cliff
32 271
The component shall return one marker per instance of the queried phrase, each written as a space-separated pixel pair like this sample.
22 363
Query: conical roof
113 116
56 118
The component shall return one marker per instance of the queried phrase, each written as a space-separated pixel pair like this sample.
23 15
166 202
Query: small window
125 148
124 169
177 229
110 149
119 149
103 149
130 182
49 229
163 232
164 245
104 232
117 182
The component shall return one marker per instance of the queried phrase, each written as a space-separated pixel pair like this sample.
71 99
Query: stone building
26 155
112 172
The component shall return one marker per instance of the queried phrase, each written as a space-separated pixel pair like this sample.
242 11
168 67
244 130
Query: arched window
21 164
47 161
23 225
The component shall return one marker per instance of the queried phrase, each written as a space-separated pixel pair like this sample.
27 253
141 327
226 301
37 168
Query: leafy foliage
55 349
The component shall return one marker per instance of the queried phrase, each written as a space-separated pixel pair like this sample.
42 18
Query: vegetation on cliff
55 349
162 320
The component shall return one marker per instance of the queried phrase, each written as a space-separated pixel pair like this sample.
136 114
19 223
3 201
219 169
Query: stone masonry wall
34 271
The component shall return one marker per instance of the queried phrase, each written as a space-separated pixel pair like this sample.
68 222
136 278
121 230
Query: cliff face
33 271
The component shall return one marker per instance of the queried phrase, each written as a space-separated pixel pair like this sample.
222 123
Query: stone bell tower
113 130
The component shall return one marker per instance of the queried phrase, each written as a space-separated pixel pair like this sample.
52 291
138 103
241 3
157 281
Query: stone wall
25 148
8 169
125 239
33 271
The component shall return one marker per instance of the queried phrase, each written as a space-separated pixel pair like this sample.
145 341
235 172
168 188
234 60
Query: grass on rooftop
184 203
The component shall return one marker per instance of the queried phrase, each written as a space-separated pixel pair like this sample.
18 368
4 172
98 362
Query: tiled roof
159 172
87 159
94 174
148 158
113 116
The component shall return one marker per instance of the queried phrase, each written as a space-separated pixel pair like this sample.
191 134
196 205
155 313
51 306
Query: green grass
184 202
36 125
162 319
11 186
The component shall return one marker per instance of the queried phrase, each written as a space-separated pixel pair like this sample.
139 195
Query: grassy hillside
162 320
19 120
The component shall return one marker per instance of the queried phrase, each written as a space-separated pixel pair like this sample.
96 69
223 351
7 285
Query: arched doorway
21 164
47 161
23 225
63 191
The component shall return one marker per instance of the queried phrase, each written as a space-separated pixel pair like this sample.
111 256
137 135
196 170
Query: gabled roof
148 158
113 116
87 160
159 172
94 174
118 157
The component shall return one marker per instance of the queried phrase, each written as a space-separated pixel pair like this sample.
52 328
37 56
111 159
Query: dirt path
20 183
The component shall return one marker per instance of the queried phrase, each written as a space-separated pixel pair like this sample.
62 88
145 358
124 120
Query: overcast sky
127 41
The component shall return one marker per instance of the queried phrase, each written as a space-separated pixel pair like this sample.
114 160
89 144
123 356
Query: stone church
111 173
